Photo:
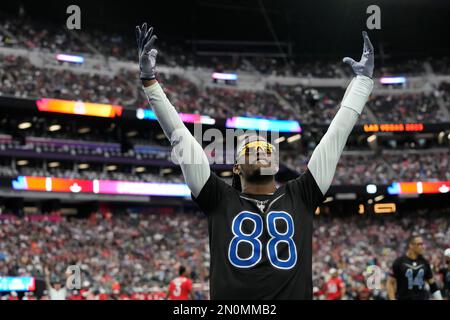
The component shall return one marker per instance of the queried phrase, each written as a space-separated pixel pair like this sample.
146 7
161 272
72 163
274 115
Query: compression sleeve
186 149
326 155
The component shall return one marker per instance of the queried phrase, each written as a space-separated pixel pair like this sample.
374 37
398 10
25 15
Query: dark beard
256 177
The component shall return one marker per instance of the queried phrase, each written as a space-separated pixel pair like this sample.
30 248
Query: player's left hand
147 53
365 66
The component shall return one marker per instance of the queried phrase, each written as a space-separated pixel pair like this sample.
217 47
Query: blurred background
85 173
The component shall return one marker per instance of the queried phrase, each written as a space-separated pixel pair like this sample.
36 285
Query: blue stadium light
224 76
392 80
394 188
145 114
263 124
69 58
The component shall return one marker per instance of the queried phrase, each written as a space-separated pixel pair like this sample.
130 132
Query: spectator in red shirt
335 287
180 288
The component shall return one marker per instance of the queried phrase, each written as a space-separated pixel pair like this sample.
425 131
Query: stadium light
371 139
69 58
83 166
111 167
53 164
132 133
386 208
166 170
328 199
226 174
54 127
294 138
22 162
24 125
280 139
84 130
372 142
140 169
371 189
361 209
392 80
224 76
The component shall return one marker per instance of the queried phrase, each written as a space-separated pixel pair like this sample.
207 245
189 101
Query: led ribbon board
224 76
69 58
147 114
263 124
79 108
17 284
100 186
392 80
398 188
394 127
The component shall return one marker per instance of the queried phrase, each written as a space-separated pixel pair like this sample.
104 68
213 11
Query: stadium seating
140 252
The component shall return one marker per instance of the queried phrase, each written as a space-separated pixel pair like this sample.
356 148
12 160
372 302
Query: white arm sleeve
187 151
325 157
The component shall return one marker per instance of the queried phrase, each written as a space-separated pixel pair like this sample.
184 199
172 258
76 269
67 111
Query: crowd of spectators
407 108
440 65
132 255
129 253
383 169
22 32
20 78
352 245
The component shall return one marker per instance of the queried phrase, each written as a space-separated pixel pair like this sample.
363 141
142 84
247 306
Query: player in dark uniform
410 273
260 236
445 272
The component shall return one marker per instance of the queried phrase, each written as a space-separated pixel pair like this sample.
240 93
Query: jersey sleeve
306 188
212 194
395 272
428 272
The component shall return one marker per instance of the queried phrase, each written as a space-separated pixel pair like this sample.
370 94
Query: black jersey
446 278
260 246
411 276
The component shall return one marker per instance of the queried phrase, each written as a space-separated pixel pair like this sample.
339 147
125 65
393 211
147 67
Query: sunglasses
252 147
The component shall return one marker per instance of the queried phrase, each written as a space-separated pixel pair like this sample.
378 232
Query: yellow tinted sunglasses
254 145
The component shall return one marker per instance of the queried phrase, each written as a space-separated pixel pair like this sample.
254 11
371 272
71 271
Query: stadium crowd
20 78
383 169
132 255
352 245
410 108
129 253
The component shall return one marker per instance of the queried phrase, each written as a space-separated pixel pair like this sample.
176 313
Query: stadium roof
325 27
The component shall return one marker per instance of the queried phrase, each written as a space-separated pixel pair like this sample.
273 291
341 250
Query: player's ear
237 169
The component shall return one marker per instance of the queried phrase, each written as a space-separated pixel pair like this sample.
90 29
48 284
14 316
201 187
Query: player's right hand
364 66
147 52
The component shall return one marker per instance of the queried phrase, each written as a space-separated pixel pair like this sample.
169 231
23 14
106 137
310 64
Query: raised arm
325 157
187 151
47 278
